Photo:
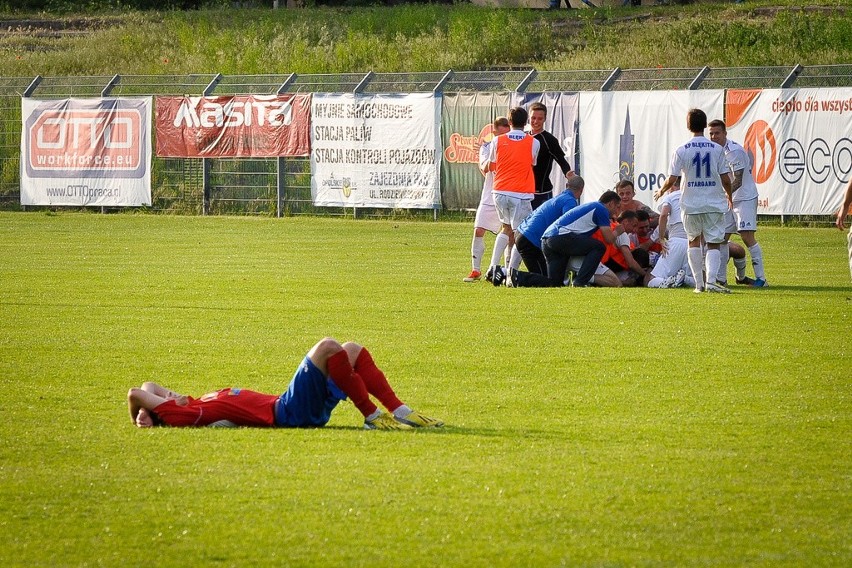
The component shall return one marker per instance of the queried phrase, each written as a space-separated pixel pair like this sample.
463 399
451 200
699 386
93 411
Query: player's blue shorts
309 399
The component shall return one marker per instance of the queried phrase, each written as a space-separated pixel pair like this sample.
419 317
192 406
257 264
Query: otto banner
241 126
631 135
799 142
86 152
466 125
375 150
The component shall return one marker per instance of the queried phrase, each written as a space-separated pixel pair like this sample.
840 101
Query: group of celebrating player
616 241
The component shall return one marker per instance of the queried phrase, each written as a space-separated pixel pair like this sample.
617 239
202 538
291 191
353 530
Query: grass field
585 427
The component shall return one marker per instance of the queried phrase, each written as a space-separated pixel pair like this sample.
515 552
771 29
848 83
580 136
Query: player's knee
325 347
353 349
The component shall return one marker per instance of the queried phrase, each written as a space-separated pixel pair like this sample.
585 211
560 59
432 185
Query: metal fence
282 186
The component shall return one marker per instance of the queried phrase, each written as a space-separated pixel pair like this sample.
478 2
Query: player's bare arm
668 185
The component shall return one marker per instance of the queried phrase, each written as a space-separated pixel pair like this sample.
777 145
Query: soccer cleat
474 276
745 281
716 288
760 283
385 421
489 274
668 282
417 420
680 277
499 276
512 278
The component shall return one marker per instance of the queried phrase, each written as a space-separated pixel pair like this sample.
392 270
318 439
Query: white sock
740 265
724 256
696 264
477 249
515 259
373 416
757 260
510 250
655 282
500 244
712 262
402 412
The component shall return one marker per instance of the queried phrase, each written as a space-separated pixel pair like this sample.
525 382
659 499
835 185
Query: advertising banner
632 135
561 121
466 124
800 143
238 126
375 150
86 152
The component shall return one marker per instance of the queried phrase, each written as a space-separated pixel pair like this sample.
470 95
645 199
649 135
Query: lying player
329 373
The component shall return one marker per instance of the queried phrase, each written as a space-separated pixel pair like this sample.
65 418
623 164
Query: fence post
205 162
28 92
610 81
281 187
522 86
791 78
699 78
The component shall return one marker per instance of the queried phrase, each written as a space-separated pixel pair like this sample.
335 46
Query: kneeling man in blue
571 235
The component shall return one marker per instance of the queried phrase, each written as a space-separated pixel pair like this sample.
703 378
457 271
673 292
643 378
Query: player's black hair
609 197
518 117
696 120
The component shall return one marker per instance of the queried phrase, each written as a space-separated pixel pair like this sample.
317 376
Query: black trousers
531 254
540 198
559 249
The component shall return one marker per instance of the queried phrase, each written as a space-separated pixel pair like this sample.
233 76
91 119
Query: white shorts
575 262
512 210
849 245
486 218
709 225
746 214
674 260
730 223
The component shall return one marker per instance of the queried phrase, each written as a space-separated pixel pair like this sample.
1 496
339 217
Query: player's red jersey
240 406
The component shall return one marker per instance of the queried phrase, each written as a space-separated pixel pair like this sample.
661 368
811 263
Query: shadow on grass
450 430
130 306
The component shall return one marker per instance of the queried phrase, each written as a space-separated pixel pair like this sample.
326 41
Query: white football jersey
700 164
674 226
738 159
487 198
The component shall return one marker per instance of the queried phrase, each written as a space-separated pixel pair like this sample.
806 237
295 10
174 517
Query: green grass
417 38
585 427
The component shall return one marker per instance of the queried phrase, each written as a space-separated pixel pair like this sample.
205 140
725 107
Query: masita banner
799 143
631 135
86 152
238 126
375 150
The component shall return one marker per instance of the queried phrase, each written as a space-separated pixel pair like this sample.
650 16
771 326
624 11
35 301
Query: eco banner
800 143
